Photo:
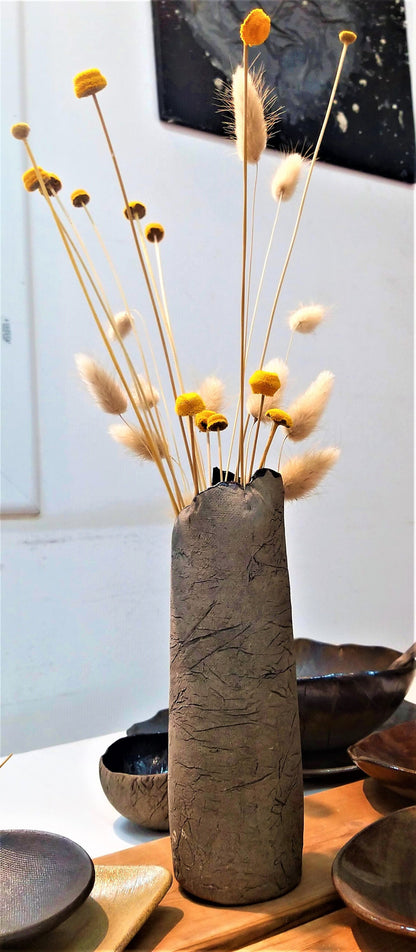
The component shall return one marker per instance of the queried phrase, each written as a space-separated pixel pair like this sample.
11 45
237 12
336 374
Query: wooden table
304 919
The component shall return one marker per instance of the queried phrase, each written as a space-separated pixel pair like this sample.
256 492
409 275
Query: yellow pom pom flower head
189 404
53 184
30 179
80 197
89 82
217 422
280 417
255 28
154 232
264 382
201 420
137 210
347 37
20 130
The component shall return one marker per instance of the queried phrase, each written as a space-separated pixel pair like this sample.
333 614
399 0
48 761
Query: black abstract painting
371 128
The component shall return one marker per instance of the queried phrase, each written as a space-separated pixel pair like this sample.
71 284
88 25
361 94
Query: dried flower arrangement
151 435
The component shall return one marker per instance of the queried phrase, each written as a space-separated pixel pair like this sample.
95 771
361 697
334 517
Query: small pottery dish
120 903
158 724
390 756
375 872
347 691
133 775
43 879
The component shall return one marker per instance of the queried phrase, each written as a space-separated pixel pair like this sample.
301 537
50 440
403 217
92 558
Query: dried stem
302 202
100 328
268 445
243 264
256 436
144 270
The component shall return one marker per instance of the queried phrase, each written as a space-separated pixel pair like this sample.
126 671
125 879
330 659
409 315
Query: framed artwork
197 47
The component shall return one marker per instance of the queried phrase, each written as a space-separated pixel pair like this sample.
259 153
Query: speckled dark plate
375 873
390 757
43 879
347 691
133 775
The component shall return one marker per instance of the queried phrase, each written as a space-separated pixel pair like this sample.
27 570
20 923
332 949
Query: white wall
85 598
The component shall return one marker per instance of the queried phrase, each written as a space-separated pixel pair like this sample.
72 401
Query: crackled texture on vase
235 772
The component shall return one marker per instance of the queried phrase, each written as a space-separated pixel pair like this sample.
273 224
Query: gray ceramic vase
235 769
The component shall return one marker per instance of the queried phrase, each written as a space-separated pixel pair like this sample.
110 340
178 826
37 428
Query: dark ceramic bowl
390 757
375 873
347 691
133 775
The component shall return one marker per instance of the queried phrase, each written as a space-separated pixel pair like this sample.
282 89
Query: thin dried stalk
303 199
176 504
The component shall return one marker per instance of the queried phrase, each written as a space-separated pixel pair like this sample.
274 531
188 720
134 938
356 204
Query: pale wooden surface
340 931
181 924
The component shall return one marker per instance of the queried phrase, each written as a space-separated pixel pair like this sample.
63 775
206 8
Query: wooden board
341 931
183 924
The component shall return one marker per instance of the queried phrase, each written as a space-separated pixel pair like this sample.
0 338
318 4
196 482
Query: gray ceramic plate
375 873
43 878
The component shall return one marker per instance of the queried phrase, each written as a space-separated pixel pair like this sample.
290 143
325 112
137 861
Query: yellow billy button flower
217 422
53 183
154 231
137 210
20 130
264 382
280 417
201 420
189 404
347 37
80 197
89 82
30 179
255 28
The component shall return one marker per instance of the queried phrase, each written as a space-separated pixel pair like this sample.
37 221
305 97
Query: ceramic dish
375 873
43 878
121 901
390 757
347 691
133 775
328 764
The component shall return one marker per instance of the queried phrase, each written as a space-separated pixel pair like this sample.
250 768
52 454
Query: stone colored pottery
235 770
43 879
133 775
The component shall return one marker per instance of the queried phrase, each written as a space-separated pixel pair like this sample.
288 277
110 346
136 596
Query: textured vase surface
235 769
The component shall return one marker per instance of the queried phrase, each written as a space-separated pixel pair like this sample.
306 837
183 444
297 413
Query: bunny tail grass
105 390
307 410
302 474
212 393
136 441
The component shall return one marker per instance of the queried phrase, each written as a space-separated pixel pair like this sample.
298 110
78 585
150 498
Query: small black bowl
133 775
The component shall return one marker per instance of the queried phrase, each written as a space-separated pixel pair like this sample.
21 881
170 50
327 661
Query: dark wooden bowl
133 775
346 691
390 757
